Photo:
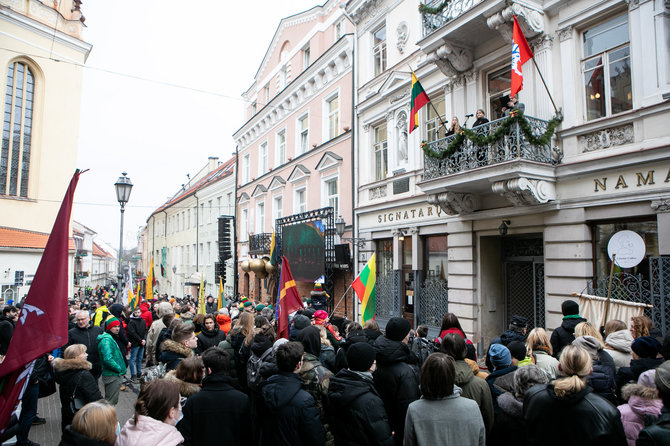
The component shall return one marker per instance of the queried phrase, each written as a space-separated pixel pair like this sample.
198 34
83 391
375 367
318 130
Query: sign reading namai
630 180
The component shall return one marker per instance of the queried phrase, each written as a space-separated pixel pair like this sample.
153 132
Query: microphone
470 115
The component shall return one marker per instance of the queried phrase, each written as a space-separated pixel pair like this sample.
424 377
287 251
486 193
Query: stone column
662 208
570 90
542 107
461 276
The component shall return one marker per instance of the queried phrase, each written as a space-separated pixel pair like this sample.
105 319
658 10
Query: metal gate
432 301
659 275
389 302
523 263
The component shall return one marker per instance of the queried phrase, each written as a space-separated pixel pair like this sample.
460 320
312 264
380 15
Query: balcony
511 165
260 243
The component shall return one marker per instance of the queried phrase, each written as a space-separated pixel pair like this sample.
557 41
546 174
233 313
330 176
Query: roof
224 170
98 251
21 238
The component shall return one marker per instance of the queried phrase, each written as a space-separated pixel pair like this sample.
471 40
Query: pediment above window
328 160
244 197
259 190
277 183
299 172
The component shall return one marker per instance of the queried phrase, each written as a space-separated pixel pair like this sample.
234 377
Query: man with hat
210 306
397 374
659 431
111 360
505 360
319 297
644 351
359 414
565 334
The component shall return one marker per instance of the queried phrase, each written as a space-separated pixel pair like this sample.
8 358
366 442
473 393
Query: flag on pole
219 305
365 288
419 99
149 295
274 252
521 54
288 299
42 324
132 299
201 295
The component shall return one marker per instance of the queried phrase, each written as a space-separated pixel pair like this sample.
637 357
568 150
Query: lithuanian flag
364 286
132 299
149 294
219 304
419 99
274 252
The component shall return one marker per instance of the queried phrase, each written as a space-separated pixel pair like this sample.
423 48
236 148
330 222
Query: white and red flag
521 53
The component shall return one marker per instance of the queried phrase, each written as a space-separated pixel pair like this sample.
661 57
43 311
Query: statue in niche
402 137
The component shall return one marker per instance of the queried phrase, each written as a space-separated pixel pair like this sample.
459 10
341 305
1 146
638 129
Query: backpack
422 348
153 373
164 335
254 378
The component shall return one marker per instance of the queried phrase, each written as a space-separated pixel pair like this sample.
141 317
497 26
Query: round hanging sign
628 247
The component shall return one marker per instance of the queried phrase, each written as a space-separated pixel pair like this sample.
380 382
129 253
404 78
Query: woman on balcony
455 127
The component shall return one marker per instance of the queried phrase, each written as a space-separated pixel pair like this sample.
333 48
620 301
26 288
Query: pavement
49 434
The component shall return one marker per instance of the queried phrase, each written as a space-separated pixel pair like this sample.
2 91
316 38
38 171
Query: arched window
17 130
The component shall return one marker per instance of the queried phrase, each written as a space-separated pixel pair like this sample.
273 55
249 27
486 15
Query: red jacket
146 314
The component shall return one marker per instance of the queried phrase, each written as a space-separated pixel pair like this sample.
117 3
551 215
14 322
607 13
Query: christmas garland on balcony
425 9
483 140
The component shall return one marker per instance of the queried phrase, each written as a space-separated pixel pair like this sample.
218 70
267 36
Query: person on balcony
481 118
454 128
511 106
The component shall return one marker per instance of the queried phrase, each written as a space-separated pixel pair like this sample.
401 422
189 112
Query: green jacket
111 358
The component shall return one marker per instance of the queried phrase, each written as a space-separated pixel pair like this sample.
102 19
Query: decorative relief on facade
565 33
401 125
530 20
399 97
525 192
451 59
606 138
661 205
402 34
377 192
542 43
454 203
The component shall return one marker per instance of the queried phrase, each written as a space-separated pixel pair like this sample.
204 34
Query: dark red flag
288 299
42 324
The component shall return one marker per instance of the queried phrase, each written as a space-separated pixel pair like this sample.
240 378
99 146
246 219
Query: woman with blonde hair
617 343
240 338
584 417
538 345
94 424
327 356
588 329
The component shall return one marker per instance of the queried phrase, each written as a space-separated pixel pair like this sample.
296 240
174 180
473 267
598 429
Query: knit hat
518 321
646 347
247 304
321 314
662 378
397 328
569 308
301 321
647 378
517 350
500 355
259 307
360 356
112 322
240 305
318 287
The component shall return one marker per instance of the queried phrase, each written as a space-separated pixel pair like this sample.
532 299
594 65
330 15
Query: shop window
436 259
384 257
602 232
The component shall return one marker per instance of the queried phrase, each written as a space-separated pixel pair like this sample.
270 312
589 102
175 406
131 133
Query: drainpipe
235 273
197 231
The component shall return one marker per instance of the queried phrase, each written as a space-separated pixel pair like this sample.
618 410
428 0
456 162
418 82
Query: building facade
295 148
518 223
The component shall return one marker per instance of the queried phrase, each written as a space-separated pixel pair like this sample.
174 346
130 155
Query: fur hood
171 346
186 389
643 392
620 340
62 365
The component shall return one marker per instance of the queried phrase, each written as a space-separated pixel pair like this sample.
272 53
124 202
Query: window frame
302 132
296 204
280 148
262 158
326 197
246 169
331 132
379 50
260 217
380 147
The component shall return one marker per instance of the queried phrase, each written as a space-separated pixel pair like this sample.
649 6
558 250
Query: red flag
288 300
42 324
521 53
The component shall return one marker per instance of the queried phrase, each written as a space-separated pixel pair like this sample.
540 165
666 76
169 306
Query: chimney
212 163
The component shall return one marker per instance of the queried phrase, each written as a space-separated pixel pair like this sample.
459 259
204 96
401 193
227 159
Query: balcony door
499 86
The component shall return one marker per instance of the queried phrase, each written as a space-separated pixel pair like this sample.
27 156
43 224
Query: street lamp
123 187
339 230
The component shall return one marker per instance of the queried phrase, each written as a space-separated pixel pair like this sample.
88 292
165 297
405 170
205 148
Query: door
408 280
523 273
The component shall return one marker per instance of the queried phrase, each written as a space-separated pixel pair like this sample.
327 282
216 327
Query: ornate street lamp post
123 187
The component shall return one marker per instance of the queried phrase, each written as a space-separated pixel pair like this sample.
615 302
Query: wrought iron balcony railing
260 243
513 145
453 9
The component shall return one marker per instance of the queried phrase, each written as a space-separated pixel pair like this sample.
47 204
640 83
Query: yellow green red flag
132 299
365 288
220 303
201 296
419 98
150 281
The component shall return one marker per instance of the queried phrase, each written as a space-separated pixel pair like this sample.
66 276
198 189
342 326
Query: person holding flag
365 288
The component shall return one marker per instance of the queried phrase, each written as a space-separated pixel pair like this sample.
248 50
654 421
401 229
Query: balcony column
542 105
397 248
571 90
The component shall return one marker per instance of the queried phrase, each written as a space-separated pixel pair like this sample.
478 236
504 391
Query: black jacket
242 355
583 418
564 335
172 354
290 415
658 433
637 367
207 339
217 400
74 376
341 355
87 336
6 332
137 331
480 121
72 438
509 426
357 416
210 308
397 380
601 378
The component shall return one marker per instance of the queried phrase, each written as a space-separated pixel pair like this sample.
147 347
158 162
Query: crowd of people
225 376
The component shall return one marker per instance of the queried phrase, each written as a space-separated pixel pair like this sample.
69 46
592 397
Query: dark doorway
523 271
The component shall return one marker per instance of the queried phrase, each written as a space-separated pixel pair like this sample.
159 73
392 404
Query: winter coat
476 389
372 335
186 389
87 336
148 431
291 417
397 381
618 346
626 375
564 335
315 380
146 314
228 348
509 423
137 331
111 359
209 338
172 354
583 418
233 420
6 332
501 381
357 416
327 357
642 402
341 355
152 337
451 420
546 363
223 321
242 355
601 378
657 433
74 376
210 308
72 438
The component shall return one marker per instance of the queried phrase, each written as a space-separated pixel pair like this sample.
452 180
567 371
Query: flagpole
545 84
431 103
340 301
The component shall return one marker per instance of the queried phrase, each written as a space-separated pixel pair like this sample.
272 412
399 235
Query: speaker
342 254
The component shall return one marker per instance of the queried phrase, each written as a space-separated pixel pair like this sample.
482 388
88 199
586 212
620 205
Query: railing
454 8
260 243
513 145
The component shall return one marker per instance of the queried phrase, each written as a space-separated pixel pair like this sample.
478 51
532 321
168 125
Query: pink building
295 148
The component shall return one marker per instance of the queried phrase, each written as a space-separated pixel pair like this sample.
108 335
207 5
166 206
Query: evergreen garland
425 9
482 140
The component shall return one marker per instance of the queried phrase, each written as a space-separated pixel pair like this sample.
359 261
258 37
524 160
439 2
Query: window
333 108
277 204
434 128
260 217
209 211
201 256
332 197
183 255
245 168
603 231
606 69
17 130
305 57
244 223
229 203
202 214
499 85
263 158
280 151
183 221
218 206
300 201
283 77
379 49
253 108
436 260
193 254
209 253
381 152
303 134
188 219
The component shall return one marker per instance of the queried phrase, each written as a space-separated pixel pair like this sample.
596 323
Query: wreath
425 9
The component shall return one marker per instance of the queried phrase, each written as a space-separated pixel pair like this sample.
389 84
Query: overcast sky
154 132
